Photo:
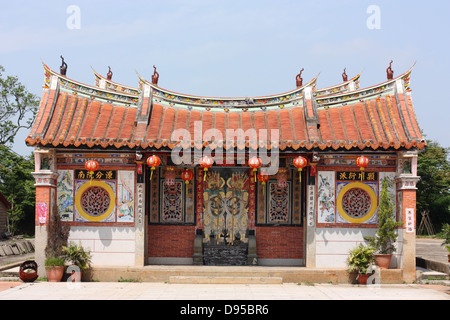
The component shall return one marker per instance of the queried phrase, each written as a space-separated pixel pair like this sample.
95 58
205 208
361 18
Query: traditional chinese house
148 176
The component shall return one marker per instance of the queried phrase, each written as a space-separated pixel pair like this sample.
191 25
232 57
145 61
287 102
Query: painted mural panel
125 196
326 197
390 176
64 200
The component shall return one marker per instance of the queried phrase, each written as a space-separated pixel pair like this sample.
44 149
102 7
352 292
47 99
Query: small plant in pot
79 257
386 234
359 260
57 236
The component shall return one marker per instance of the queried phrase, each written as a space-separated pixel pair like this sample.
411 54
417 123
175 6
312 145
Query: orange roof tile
74 115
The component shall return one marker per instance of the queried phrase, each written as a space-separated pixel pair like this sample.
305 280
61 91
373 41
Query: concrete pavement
427 248
165 291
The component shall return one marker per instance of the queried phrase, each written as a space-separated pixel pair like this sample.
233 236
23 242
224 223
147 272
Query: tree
17 108
433 188
384 240
17 185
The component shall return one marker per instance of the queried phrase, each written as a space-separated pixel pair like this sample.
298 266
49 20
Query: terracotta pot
362 278
54 273
382 260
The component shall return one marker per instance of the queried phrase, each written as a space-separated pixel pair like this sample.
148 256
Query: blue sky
235 48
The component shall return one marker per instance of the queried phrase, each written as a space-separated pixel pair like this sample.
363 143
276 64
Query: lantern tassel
204 174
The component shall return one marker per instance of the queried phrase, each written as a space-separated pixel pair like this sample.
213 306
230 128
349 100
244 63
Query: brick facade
279 242
171 241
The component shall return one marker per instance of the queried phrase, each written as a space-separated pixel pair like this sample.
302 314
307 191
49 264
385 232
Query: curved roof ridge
88 90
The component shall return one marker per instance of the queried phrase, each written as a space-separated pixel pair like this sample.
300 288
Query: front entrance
225 216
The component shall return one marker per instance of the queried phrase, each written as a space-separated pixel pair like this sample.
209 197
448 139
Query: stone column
310 223
140 222
46 180
406 181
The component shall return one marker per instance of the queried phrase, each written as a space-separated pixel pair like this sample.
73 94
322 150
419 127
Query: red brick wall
171 241
408 201
42 196
279 242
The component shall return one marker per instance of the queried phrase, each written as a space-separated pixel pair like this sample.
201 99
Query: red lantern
362 162
91 166
187 175
153 162
300 163
263 178
206 162
254 163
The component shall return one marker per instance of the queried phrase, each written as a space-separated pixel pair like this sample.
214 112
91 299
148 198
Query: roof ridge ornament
299 78
344 76
155 76
110 74
390 72
63 68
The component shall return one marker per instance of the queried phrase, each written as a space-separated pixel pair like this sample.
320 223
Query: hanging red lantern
254 163
263 178
153 162
91 166
206 162
187 175
300 163
362 162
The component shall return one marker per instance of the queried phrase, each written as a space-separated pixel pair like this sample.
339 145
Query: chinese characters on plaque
98 174
357 176
310 211
409 220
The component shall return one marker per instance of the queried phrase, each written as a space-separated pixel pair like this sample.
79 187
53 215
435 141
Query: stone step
426 274
224 280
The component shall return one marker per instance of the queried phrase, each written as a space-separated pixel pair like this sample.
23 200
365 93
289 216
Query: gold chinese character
109 175
371 176
90 174
361 175
343 176
99 175
352 176
81 175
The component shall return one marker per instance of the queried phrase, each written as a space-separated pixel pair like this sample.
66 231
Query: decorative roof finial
155 77
63 68
299 78
390 72
344 76
110 74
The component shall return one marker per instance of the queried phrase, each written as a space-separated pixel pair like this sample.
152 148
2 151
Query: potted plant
386 234
78 256
54 268
56 238
359 260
